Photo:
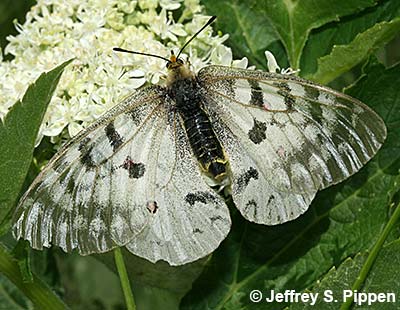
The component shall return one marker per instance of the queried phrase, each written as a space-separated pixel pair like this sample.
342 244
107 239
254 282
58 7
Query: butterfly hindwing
191 219
300 137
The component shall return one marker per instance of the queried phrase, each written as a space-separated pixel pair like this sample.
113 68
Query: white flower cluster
56 31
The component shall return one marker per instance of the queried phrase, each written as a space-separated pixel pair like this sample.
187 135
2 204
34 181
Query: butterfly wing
130 170
86 197
191 219
286 138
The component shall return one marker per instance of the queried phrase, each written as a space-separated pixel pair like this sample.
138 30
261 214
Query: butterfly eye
168 64
179 61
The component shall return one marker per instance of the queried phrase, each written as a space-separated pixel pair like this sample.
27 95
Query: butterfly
152 174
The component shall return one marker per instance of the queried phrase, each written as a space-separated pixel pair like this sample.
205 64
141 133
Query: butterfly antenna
196 34
117 49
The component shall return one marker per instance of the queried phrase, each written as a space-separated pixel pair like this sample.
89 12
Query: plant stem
123 276
372 257
37 291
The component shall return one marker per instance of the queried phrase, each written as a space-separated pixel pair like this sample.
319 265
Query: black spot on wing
135 170
270 199
202 197
86 158
152 206
213 219
113 136
86 149
228 85
83 144
193 198
311 92
71 185
244 179
251 205
136 116
315 110
256 94
285 92
257 133
67 181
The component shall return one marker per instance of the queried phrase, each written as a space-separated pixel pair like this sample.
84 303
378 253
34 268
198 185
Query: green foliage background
352 44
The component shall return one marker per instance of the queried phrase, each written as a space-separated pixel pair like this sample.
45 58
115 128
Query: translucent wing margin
286 137
86 197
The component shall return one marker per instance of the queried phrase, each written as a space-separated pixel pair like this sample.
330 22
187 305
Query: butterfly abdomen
203 141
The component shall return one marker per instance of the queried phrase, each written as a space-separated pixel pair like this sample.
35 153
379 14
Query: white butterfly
140 176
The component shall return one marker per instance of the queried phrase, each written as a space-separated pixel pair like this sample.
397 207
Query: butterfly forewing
286 137
77 201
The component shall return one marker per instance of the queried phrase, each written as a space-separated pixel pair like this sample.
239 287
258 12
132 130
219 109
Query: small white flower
221 55
274 67
191 6
148 4
289 71
165 28
271 62
127 6
242 63
170 5
99 78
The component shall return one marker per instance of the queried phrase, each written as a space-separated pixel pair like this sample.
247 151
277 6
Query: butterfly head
177 69
174 62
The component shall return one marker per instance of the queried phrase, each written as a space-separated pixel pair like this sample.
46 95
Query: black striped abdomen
205 145
204 142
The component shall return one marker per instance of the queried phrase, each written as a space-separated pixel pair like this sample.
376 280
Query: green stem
372 257
37 291
123 276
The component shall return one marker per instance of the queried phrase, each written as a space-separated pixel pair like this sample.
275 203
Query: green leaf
344 57
343 220
382 278
11 298
158 285
250 33
17 136
37 291
343 32
22 255
88 284
379 87
262 22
